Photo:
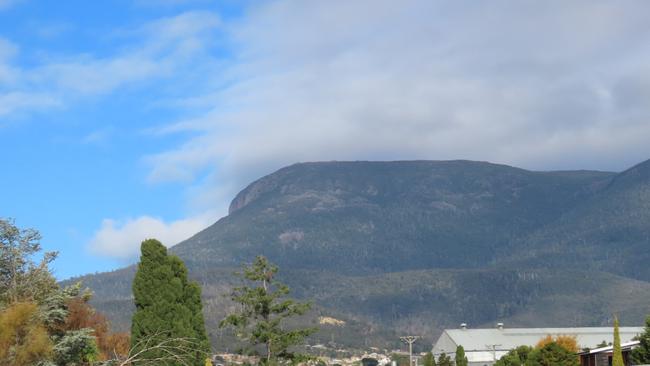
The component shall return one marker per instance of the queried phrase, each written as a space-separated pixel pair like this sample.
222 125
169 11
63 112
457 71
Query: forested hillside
417 246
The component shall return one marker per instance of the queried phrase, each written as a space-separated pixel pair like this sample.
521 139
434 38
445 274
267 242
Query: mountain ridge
508 244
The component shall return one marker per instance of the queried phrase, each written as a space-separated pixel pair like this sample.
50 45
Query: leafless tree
154 350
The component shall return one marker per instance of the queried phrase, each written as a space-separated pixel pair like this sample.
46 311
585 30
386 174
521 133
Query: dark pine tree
168 307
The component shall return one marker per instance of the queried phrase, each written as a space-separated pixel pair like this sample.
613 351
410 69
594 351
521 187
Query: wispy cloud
14 102
5 4
160 50
50 30
98 137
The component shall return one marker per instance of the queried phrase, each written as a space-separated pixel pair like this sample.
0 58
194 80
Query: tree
83 316
42 322
552 354
402 359
515 357
72 345
461 359
603 344
429 360
641 354
22 279
444 360
23 338
76 347
570 343
168 307
263 310
617 355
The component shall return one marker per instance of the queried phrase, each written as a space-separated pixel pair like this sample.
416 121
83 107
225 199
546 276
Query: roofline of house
609 348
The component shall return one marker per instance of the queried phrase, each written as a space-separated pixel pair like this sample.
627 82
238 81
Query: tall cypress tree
617 356
167 305
461 359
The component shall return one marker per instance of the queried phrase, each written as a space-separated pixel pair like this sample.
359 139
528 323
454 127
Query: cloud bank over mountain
528 83
543 85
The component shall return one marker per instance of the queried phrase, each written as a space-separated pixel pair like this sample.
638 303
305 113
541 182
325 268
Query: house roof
510 338
624 346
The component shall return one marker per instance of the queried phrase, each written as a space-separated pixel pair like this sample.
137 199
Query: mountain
391 247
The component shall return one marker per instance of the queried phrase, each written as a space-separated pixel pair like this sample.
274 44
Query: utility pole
410 340
493 347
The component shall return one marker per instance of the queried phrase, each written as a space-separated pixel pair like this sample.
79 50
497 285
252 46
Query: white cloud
121 240
517 83
542 85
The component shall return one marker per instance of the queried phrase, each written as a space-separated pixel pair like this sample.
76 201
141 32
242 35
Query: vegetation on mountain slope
422 245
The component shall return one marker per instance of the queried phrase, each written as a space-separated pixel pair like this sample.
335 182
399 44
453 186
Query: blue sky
74 151
121 120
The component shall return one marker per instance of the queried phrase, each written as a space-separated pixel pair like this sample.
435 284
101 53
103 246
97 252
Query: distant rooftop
509 338
624 346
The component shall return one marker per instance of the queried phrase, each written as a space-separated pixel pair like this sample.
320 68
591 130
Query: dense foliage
444 360
428 359
552 354
264 310
515 357
168 306
21 278
40 322
641 354
569 343
23 338
548 352
460 359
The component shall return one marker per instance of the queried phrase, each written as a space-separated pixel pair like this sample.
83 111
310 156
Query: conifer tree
263 310
617 356
461 359
429 360
641 354
167 305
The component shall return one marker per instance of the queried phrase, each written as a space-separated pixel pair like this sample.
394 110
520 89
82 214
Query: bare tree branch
180 350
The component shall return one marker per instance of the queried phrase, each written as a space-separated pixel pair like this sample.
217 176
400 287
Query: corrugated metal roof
624 346
509 338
